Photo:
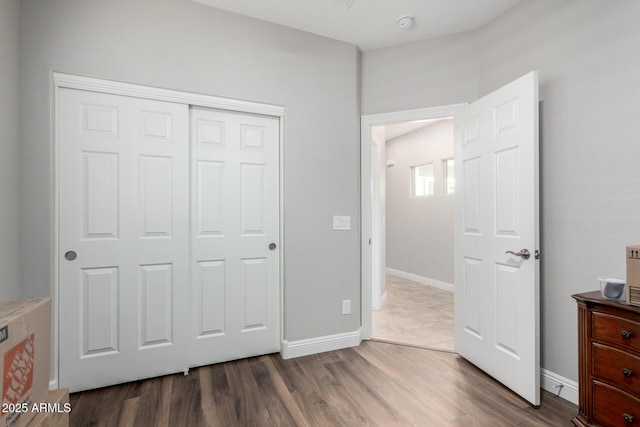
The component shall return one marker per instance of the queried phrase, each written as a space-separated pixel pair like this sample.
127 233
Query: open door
496 236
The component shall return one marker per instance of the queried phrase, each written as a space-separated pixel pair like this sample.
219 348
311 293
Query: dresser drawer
616 367
613 407
616 330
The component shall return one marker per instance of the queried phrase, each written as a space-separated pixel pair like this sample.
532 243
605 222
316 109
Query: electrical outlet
346 306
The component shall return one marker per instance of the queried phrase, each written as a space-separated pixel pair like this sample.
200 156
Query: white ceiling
398 129
371 24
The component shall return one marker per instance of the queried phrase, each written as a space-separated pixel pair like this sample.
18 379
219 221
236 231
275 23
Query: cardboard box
633 275
25 335
633 295
54 412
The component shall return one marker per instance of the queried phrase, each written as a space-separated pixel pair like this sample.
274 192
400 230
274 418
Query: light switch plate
341 222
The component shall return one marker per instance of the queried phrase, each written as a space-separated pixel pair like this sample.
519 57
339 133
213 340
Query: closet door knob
272 246
70 255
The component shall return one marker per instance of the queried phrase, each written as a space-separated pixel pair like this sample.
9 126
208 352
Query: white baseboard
320 344
421 279
383 300
550 381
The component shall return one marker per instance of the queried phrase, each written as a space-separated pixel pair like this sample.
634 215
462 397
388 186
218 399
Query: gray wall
9 223
186 46
587 54
430 73
420 229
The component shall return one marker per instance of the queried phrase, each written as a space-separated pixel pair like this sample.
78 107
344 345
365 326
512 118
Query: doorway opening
497 313
408 212
417 186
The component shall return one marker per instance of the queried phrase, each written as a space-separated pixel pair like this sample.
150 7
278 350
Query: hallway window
422 180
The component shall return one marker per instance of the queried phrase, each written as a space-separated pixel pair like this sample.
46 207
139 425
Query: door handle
524 253
272 246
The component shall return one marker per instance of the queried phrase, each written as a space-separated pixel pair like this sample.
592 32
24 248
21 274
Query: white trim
410 115
367 263
281 236
320 344
383 300
421 279
70 81
53 242
550 380
157 94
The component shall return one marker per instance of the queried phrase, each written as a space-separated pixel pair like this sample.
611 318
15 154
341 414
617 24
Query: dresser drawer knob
627 372
625 334
628 418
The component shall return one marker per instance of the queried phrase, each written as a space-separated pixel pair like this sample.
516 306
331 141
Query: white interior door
497 293
235 235
123 238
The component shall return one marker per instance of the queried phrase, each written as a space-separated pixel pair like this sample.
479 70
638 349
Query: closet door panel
123 187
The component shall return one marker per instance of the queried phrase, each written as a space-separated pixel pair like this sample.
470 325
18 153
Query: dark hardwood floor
375 384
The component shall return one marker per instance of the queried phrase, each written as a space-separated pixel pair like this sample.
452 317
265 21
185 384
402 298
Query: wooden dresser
609 362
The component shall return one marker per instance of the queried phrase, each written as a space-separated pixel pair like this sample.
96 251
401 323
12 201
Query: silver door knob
70 256
524 253
272 246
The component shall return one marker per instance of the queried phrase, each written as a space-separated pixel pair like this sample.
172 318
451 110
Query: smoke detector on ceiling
406 21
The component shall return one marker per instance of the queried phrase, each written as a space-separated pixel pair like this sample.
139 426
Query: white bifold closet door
164 235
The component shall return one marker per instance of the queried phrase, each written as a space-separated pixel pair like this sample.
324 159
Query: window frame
427 187
445 177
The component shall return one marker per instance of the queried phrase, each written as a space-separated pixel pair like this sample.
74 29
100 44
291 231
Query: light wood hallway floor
415 314
375 384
